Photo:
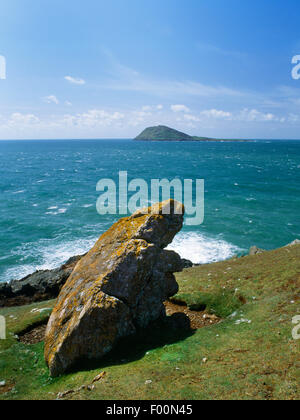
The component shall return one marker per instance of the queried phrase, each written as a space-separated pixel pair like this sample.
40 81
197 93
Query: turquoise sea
48 196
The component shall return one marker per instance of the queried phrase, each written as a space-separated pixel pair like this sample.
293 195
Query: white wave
55 213
50 256
19 192
201 249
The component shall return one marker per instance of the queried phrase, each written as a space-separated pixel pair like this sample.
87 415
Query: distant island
163 133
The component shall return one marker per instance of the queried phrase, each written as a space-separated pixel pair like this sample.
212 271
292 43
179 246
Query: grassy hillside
162 133
249 355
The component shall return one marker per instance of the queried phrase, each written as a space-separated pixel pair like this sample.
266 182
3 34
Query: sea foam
50 256
201 249
198 248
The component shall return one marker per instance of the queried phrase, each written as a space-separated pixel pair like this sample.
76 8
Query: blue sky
105 69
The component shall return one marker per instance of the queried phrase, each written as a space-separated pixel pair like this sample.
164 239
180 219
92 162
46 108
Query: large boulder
118 287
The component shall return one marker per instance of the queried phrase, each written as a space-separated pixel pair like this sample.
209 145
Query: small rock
255 251
99 377
148 382
2 384
296 242
205 360
243 321
61 395
187 263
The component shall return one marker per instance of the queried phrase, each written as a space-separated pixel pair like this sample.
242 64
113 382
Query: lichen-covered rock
119 286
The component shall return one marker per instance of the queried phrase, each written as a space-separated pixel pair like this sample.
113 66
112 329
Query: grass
250 355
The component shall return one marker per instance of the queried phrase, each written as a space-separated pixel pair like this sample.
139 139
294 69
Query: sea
48 196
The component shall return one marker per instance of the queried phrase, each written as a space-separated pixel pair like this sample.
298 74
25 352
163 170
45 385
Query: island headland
164 133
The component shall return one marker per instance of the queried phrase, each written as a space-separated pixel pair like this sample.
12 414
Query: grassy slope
162 133
257 360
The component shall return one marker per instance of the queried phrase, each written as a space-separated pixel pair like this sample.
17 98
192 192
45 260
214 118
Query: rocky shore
107 297
37 287
43 285
47 284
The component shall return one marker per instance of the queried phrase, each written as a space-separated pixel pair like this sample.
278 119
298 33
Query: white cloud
147 108
75 81
180 108
68 103
95 123
93 118
208 114
191 118
245 115
255 115
51 99
18 120
215 113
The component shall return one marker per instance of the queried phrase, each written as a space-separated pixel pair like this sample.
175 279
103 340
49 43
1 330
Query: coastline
43 285
246 348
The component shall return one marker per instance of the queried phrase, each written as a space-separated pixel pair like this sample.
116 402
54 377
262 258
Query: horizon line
212 140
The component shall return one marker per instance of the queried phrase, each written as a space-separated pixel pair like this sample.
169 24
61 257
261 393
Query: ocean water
48 196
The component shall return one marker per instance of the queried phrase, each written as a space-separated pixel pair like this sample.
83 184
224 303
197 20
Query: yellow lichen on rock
118 286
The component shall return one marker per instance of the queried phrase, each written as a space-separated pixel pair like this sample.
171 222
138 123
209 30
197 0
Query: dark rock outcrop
187 263
117 288
39 286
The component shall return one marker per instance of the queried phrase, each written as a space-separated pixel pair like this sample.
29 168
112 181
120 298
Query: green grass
253 359
221 303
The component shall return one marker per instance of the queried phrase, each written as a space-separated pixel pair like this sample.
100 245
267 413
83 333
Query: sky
109 69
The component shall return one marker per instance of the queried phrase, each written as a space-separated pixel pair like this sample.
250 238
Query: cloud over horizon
75 81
